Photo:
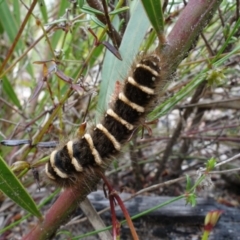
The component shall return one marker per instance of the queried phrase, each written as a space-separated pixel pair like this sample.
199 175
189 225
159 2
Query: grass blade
9 23
43 9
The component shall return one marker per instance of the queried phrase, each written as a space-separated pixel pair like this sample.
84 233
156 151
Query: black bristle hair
94 150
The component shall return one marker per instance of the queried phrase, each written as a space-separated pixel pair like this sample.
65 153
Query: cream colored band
136 107
153 72
78 167
111 113
48 173
95 153
114 141
143 88
55 168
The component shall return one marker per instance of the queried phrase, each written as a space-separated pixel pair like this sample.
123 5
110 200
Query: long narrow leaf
9 23
11 186
17 12
43 9
8 89
114 69
90 10
120 10
154 12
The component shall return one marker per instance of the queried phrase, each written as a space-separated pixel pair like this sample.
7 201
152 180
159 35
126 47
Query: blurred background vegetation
59 75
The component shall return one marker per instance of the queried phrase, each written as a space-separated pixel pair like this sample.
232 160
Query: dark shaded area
174 221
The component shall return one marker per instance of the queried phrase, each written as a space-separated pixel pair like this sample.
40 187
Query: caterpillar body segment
111 113
142 88
95 149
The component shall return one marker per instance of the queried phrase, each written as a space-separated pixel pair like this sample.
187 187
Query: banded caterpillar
95 149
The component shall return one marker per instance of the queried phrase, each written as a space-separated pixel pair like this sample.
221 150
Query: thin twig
10 52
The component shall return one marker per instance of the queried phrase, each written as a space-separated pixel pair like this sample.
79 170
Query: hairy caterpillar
129 109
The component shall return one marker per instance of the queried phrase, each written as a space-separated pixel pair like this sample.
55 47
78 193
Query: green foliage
57 36
11 186
90 10
27 216
191 199
9 90
11 23
215 77
188 183
210 165
154 12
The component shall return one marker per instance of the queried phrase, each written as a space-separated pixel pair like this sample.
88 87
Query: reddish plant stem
180 40
61 210
62 207
127 216
114 218
113 195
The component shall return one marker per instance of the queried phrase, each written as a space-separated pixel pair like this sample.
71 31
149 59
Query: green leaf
154 12
211 163
215 77
16 10
1 28
191 199
90 10
9 23
8 89
119 10
114 69
96 53
98 22
226 44
56 39
43 9
80 3
12 187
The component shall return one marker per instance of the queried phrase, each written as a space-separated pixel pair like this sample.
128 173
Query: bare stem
185 32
